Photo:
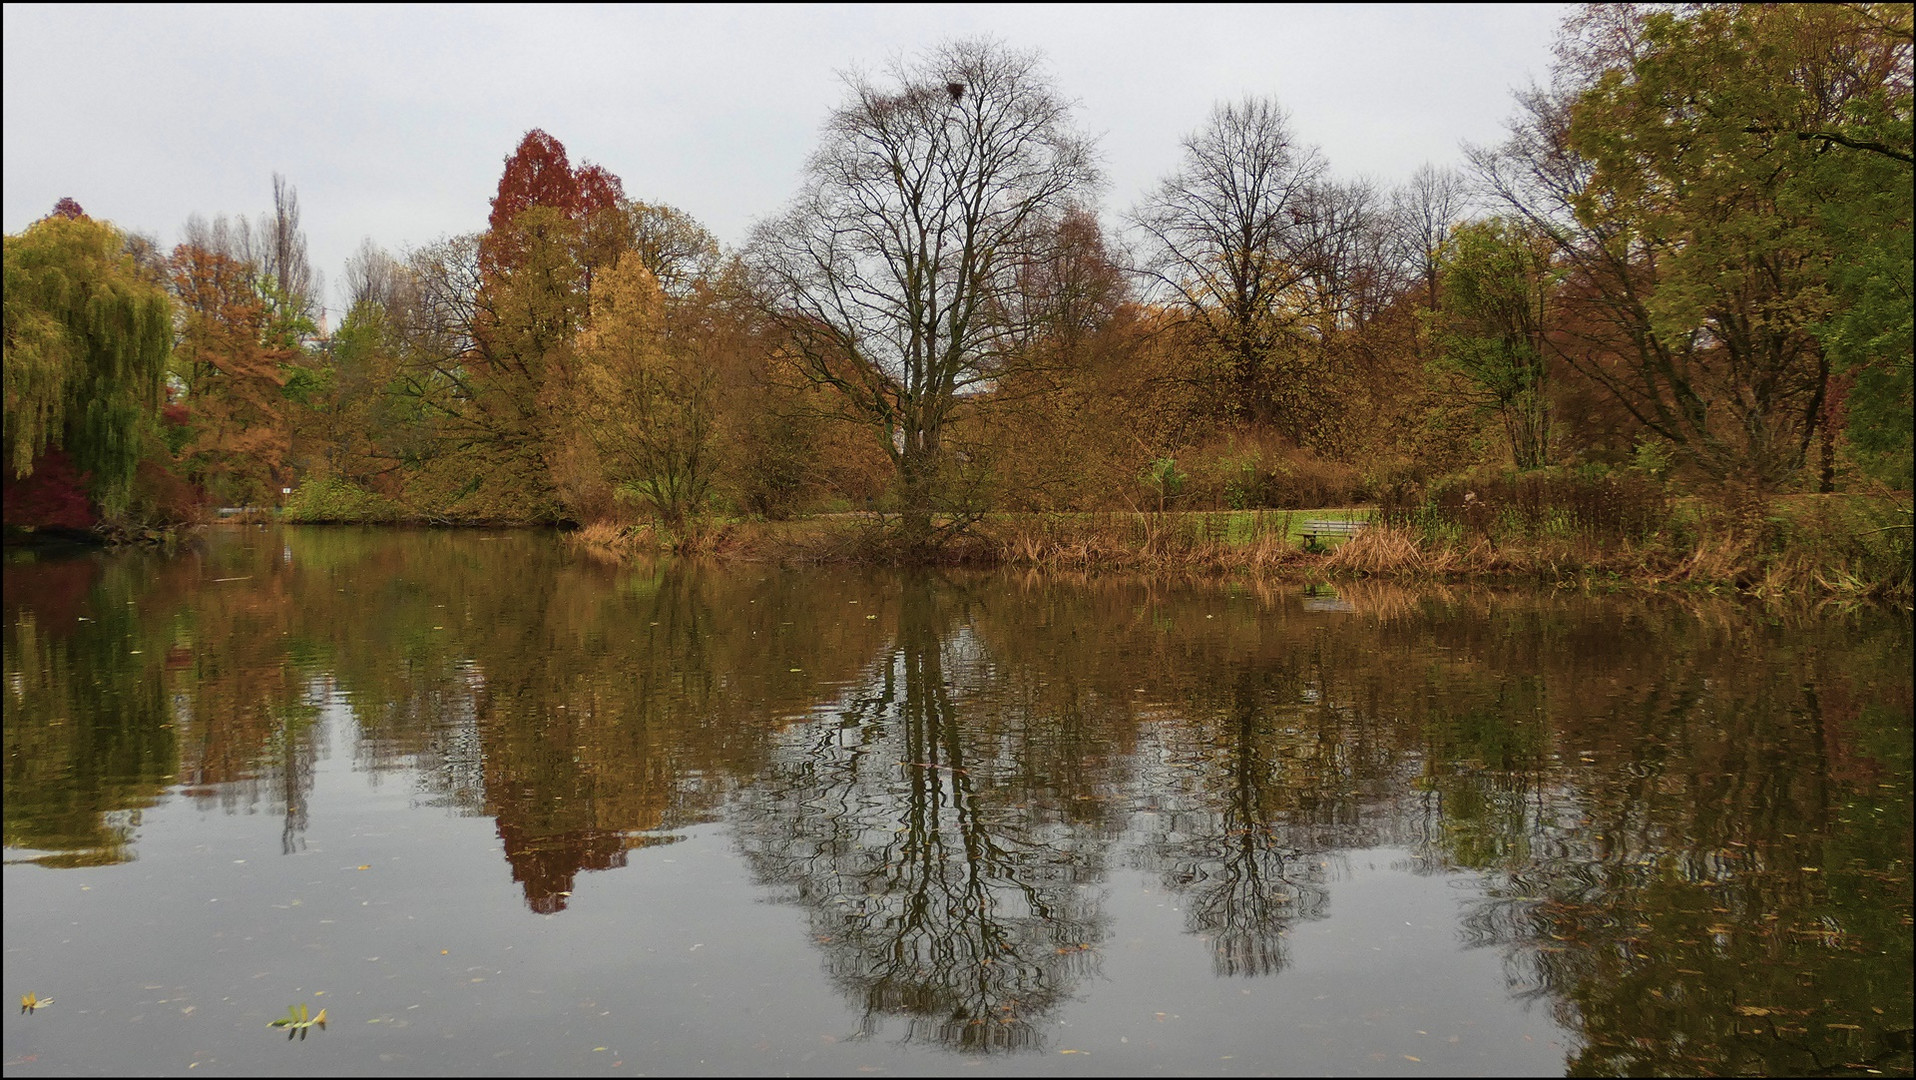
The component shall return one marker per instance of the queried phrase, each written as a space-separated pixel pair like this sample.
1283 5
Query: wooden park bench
1311 530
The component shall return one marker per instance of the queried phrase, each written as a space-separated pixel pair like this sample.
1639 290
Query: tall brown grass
609 541
614 541
1770 548
1150 542
1827 545
1606 534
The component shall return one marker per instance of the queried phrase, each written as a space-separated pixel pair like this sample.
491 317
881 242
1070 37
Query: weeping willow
87 340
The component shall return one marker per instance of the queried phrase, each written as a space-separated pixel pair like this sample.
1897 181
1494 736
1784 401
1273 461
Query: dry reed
1815 550
611 542
1151 543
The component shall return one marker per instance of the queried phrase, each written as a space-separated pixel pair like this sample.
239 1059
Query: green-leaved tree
1497 286
87 340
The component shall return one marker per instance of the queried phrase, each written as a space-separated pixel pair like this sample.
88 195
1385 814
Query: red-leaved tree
539 174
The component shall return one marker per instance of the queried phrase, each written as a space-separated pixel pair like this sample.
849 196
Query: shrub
1249 475
161 497
53 497
335 500
1585 504
1163 480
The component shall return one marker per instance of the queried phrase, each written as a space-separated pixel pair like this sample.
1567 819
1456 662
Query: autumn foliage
233 376
53 496
944 323
539 174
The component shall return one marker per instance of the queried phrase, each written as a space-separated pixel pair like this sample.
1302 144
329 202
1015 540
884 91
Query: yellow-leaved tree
647 401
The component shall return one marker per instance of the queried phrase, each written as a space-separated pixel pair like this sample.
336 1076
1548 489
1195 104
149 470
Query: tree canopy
88 334
895 272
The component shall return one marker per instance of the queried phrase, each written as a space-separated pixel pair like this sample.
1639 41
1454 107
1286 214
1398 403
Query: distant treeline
1689 260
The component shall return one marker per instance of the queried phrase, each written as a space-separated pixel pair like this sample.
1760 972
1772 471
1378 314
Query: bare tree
1227 239
230 238
1339 270
373 276
894 274
1070 292
283 253
671 244
275 248
1423 211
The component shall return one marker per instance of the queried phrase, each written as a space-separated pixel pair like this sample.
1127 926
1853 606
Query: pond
498 807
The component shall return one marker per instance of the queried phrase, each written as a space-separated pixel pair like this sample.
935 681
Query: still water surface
501 808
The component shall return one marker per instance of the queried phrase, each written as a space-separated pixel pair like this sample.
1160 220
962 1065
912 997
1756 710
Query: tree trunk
918 481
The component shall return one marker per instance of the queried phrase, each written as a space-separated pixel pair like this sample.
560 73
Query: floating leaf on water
297 1019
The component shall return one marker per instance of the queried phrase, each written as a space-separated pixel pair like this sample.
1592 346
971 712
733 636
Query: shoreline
1812 554
1717 559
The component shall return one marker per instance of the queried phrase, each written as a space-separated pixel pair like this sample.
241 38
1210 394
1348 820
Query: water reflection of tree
1711 874
1238 822
605 706
148 671
1676 814
88 741
240 673
1265 745
591 710
920 824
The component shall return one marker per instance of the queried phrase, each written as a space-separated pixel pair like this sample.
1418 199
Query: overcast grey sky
394 123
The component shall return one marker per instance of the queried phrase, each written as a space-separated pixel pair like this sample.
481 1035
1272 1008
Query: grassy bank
1550 526
1817 550
1806 545
1235 541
